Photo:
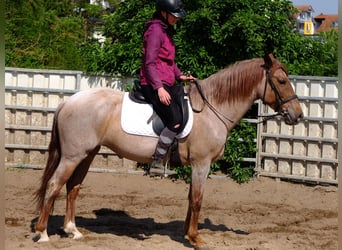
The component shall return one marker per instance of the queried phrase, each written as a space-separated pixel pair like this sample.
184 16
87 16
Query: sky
320 6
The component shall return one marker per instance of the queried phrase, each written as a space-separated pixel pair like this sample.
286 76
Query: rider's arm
153 42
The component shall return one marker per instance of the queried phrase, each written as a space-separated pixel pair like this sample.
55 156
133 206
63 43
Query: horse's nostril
301 116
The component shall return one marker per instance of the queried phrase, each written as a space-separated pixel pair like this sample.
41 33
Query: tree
214 34
121 53
307 56
43 34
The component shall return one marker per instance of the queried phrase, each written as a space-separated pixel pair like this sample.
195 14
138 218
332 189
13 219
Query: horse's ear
268 58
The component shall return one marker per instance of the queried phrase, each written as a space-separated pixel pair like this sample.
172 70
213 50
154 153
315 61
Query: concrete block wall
307 151
31 97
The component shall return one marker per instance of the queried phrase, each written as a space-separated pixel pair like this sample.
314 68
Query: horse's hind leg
73 187
59 178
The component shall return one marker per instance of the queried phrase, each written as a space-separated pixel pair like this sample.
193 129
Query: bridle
280 100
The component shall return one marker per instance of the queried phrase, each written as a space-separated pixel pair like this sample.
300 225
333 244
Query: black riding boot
165 140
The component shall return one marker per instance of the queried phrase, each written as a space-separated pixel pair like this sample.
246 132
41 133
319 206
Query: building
305 20
308 24
326 23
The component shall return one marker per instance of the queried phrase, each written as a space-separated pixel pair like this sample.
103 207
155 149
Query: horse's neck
234 112
229 105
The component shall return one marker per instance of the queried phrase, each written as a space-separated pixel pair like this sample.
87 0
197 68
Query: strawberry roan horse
91 118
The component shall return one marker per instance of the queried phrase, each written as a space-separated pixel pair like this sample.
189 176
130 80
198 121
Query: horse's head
278 92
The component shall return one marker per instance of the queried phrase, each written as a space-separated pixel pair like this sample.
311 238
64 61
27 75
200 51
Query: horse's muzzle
292 117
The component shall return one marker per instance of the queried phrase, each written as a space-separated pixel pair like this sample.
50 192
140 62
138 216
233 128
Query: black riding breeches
171 115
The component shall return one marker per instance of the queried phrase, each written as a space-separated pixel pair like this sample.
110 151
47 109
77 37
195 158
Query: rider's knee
174 128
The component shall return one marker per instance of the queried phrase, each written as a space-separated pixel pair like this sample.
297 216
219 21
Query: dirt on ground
131 211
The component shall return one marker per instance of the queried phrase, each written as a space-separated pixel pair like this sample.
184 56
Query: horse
91 118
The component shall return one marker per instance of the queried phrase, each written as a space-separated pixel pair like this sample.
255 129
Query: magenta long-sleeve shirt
158 63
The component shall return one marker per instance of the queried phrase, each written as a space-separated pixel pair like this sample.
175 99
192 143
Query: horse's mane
231 83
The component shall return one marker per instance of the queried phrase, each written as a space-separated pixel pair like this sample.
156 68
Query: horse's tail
52 162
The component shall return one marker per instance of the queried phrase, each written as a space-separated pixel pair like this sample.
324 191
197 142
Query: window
305 15
334 24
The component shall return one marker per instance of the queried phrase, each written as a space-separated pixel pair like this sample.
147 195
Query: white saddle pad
135 116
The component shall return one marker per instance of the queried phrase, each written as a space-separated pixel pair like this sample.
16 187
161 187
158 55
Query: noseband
280 100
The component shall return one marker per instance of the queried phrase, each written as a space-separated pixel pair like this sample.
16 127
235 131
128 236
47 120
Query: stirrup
157 168
165 172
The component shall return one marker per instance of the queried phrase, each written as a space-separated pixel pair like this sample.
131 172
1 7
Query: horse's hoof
77 236
42 240
197 242
202 248
70 228
41 237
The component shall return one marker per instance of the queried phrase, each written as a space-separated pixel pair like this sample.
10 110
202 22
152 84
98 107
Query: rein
220 116
205 101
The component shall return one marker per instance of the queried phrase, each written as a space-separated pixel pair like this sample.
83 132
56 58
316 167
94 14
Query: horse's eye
282 82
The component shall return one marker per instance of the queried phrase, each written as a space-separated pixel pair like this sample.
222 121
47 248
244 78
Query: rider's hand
164 96
189 78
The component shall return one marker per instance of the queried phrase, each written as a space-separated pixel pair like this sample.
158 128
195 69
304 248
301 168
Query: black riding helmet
174 7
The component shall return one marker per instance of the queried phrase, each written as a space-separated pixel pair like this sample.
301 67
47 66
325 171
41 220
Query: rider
159 73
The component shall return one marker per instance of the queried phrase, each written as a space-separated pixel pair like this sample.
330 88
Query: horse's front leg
198 178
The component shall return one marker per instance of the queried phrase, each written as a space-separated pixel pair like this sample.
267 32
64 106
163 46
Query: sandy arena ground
117 211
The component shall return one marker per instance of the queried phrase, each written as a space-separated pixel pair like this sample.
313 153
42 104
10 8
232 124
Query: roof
325 22
304 8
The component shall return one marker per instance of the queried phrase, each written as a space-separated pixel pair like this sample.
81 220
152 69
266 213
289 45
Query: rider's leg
165 140
171 115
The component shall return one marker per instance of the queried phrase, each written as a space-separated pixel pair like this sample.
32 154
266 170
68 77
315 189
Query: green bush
240 144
